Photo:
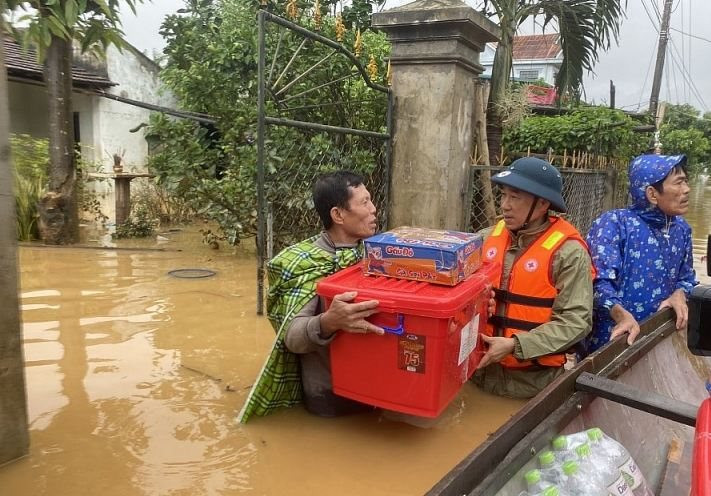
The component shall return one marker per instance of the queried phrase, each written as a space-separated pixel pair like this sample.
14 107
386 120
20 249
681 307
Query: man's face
674 200
515 205
359 219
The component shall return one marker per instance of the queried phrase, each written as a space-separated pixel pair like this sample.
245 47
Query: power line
656 9
646 78
687 76
676 85
688 52
638 105
666 80
683 50
690 35
654 24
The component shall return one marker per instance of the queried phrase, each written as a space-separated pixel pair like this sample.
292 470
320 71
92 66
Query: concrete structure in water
434 66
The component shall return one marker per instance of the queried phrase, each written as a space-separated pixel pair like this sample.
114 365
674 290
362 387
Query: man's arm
309 330
303 333
571 319
686 279
605 241
685 282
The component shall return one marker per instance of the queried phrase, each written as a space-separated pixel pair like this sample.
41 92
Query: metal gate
310 96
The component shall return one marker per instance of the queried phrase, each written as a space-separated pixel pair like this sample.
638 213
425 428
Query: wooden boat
647 396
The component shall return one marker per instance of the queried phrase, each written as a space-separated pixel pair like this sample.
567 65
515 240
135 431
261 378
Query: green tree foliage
597 130
685 131
30 158
691 142
52 28
211 66
95 24
586 28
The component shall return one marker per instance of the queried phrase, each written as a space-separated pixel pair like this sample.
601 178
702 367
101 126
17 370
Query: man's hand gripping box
420 254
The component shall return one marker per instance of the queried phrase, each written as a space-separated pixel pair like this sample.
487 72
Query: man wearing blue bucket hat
544 290
643 253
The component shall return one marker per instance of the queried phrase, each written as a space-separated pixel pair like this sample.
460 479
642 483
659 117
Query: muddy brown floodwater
134 379
699 218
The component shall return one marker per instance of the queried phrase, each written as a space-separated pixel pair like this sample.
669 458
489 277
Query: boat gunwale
486 469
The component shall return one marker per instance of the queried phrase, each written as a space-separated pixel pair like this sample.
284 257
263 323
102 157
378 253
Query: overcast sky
687 74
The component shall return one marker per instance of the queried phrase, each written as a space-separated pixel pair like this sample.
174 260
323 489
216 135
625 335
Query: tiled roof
23 64
536 47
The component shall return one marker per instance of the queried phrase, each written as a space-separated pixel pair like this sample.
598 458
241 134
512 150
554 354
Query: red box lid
405 296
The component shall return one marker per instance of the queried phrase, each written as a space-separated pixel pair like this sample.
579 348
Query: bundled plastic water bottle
612 453
601 470
551 471
549 491
579 483
564 448
534 482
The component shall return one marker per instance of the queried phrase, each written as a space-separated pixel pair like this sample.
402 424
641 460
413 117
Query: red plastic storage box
430 348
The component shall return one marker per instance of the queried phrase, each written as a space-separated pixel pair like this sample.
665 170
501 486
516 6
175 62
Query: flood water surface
699 218
134 378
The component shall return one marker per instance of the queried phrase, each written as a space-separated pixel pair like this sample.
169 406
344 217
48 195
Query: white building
535 57
101 126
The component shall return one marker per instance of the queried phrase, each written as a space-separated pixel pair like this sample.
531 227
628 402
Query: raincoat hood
644 171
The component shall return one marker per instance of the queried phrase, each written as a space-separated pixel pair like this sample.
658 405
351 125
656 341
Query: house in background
536 57
102 127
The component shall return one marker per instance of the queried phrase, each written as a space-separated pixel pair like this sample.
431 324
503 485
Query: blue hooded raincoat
641 255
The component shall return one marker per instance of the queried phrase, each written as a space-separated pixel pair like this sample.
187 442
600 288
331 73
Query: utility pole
661 54
612 94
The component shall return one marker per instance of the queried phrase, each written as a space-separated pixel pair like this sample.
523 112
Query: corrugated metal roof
23 64
536 47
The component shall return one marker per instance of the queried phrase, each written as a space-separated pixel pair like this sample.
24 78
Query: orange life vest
530 293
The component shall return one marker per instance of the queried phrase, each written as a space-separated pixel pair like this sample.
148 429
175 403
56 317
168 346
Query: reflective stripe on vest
530 293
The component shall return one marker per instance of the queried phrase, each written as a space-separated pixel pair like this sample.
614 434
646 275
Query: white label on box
468 339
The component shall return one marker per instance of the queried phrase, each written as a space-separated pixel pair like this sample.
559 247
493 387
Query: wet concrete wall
434 65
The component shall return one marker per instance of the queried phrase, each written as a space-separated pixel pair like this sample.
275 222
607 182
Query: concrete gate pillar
434 65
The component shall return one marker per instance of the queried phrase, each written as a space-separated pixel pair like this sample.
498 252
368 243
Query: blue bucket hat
534 176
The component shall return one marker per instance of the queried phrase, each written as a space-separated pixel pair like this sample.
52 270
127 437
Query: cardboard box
420 254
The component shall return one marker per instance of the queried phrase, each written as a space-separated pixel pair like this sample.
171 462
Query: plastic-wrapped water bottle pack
586 463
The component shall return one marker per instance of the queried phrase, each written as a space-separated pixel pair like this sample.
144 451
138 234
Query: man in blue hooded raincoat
643 253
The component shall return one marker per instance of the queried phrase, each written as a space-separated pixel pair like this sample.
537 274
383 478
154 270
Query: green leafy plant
160 204
597 130
685 131
211 65
585 29
138 225
30 157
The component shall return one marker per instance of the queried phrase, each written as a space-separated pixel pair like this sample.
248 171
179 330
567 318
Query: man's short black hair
331 190
678 168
